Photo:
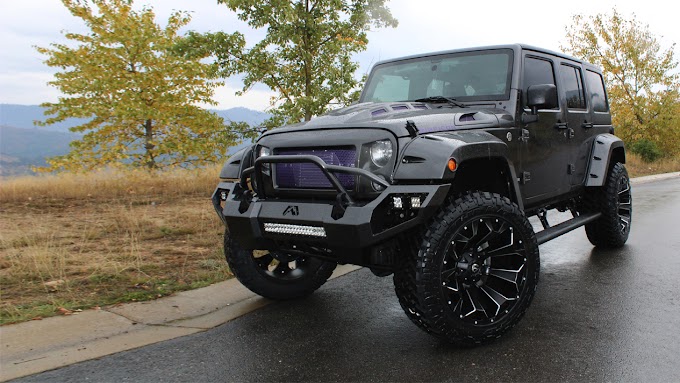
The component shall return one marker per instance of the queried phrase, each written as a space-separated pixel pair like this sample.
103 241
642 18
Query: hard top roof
515 47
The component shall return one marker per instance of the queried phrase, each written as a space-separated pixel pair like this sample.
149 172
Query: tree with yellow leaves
305 56
138 96
643 82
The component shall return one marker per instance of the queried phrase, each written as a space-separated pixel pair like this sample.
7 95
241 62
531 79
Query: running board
565 227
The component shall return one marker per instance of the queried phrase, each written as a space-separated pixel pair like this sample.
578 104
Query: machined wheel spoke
491 233
625 190
505 274
446 274
474 302
452 288
509 254
497 298
495 233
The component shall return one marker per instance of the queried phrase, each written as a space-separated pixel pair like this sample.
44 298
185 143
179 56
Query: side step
565 227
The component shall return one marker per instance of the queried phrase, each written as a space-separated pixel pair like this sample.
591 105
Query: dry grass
74 241
108 185
637 167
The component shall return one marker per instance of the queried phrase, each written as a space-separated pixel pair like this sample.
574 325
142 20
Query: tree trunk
149 145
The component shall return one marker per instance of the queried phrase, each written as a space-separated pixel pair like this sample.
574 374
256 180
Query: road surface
597 316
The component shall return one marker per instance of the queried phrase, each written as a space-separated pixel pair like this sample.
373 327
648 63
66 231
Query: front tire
615 201
276 275
477 270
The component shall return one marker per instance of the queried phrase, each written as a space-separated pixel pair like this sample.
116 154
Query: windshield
467 76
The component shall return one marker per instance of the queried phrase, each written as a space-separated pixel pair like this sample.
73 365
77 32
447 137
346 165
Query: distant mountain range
23 145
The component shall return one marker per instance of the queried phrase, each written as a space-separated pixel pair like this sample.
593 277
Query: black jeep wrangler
431 177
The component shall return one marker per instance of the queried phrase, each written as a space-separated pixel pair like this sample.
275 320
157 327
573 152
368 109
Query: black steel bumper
258 222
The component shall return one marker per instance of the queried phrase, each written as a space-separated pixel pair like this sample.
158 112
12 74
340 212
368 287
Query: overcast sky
424 26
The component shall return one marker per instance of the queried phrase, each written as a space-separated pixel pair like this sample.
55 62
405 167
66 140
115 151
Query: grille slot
309 176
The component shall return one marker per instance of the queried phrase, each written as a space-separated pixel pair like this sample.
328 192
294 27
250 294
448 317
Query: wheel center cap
474 268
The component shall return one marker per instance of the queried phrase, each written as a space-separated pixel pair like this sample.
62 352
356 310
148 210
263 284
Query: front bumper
267 222
345 228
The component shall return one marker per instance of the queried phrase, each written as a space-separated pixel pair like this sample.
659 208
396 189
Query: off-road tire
614 200
470 217
312 273
404 279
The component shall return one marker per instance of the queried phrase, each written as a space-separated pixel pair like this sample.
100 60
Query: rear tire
476 271
276 275
615 201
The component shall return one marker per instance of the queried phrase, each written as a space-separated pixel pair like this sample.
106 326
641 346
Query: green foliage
138 96
646 149
305 56
643 83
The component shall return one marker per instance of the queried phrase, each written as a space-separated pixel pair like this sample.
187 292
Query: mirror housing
543 96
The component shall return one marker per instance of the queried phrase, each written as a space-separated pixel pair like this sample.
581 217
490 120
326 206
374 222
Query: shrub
648 150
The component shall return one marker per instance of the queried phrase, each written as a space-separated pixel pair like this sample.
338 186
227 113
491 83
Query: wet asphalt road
597 316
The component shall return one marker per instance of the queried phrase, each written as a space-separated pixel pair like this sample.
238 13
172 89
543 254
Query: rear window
573 86
597 94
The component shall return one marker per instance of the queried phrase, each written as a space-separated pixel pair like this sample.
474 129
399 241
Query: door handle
587 125
561 125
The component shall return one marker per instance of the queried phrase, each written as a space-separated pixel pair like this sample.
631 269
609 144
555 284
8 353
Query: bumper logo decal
292 210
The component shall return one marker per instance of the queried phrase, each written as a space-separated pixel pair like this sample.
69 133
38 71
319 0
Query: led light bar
283 228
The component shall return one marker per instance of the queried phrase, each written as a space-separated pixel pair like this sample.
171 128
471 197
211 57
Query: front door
545 152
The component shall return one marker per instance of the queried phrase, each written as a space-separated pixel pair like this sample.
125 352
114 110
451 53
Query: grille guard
343 199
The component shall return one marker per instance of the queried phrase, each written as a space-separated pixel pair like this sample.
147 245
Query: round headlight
381 152
264 151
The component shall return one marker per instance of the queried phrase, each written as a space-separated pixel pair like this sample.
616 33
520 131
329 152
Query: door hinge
526 177
525 135
571 169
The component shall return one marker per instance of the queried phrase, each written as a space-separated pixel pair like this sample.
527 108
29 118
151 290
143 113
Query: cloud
27 88
429 26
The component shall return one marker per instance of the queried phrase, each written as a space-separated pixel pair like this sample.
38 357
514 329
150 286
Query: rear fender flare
605 147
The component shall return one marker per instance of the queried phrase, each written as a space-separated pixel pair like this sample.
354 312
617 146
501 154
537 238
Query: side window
573 86
596 88
536 72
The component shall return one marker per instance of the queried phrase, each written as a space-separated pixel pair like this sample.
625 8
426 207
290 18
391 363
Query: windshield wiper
437 99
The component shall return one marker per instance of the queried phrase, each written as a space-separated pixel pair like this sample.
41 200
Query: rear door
577 126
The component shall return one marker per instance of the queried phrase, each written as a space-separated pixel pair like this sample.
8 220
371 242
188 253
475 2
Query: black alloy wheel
476 270
276 274
615 201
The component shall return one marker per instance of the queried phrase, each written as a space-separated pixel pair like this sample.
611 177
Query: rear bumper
264 223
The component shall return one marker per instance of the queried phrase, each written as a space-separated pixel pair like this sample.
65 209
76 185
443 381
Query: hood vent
397 108
467 117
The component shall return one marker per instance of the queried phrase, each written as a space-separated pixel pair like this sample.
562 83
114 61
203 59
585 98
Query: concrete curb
31 347
36 346
654 178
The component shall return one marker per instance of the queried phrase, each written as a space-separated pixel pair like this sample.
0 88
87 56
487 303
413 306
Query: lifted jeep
431 178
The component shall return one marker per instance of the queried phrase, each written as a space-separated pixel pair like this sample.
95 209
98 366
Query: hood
392 116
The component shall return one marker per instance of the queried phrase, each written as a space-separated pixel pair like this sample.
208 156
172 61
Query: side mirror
542 96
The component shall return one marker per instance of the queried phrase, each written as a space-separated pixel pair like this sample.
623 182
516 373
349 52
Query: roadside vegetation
70 242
